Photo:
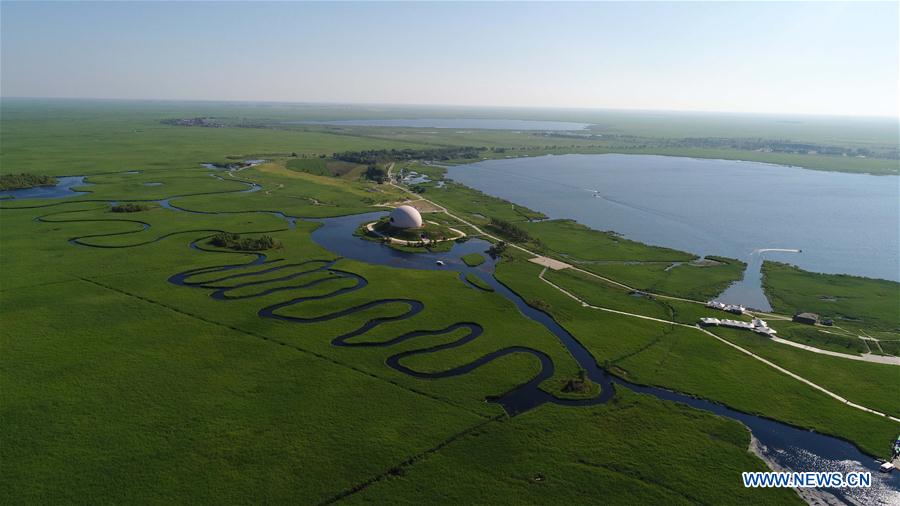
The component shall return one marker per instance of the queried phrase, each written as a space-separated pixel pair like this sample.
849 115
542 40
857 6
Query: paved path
371 228
866 357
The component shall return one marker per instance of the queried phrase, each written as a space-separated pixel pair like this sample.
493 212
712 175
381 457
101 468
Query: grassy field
866 383
686 360
475 280
849 300
820 337
590 453
191 428
572 241
327 167
121 386
873 385
644 267
121 132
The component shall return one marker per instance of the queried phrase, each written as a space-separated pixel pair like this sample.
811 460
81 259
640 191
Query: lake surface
62 189
843 223
459 123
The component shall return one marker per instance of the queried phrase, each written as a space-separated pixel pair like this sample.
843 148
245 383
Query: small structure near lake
807 318
406 217
730 308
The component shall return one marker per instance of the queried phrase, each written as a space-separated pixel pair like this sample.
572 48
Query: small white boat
440 262
886 467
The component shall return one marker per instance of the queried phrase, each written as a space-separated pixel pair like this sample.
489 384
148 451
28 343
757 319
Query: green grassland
849 300
591 453
327 167
691 280
156 415
686 360
478 207
873 385
568 239
87 139
121 132
869 384
820 337
475 280
97 407
121 386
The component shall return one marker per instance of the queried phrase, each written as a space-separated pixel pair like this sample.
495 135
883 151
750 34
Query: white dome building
406 217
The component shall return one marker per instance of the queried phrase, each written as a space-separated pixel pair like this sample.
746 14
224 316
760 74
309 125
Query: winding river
785 446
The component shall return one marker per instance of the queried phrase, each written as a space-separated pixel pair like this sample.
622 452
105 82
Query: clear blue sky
814 58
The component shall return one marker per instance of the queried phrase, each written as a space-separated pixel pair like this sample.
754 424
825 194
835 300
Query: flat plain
143 363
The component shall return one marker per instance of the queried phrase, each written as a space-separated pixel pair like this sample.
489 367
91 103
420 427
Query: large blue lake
843 223
459 123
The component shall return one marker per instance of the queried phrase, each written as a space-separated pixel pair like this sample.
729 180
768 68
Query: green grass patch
693 280
675 455
326 167
872 385
686 360
573 242
820 337
473 259
475 280
846 299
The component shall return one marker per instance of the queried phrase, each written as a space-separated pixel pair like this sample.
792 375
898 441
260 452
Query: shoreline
644 242
811 496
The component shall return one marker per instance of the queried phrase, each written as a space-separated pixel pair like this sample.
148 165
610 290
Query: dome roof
406 217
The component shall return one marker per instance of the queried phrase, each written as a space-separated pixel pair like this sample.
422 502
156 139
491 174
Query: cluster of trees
23 180
194 122
509 230
375 173
579 384
778 146
619 141
236 242
129 208
496 249
376 156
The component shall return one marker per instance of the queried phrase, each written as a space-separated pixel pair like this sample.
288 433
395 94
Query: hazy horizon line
458 106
